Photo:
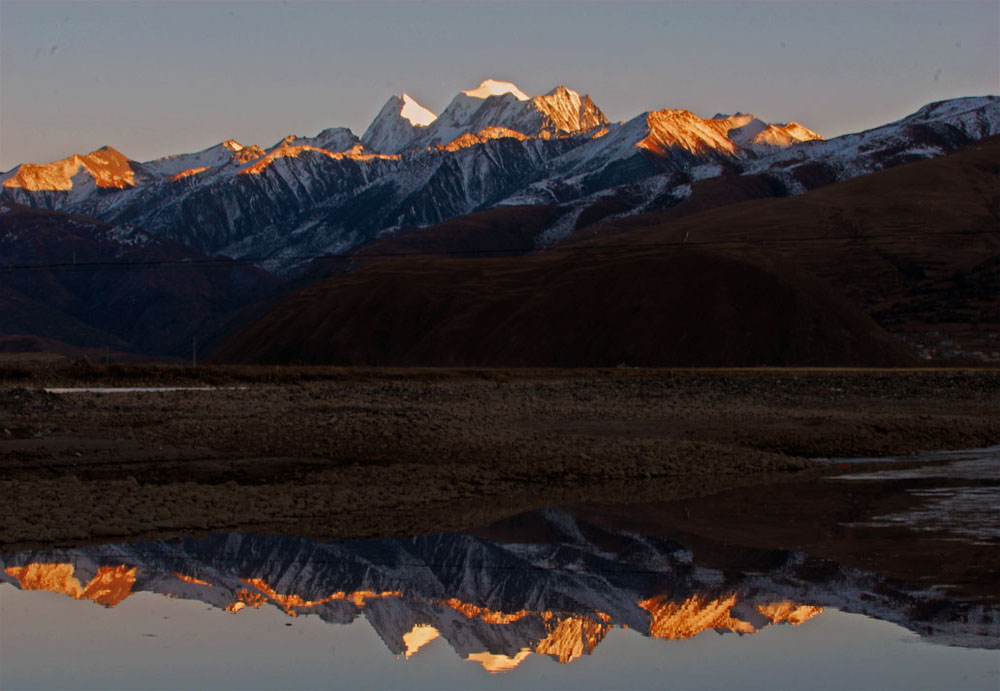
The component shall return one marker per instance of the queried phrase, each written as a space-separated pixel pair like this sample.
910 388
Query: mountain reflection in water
496 603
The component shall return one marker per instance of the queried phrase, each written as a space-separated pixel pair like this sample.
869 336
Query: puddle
988 454
966 511
591 607
974 464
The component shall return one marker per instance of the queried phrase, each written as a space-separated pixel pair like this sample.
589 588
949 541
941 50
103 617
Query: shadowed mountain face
557 593
102 286
570 307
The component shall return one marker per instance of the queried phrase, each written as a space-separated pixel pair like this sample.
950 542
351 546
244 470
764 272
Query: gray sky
159 77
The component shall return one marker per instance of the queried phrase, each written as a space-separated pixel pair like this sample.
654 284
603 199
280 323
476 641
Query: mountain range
496 602
554 159
491 146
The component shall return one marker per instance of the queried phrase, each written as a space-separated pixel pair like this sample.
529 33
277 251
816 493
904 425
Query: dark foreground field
354 453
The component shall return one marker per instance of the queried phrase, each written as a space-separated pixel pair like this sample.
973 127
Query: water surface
548 601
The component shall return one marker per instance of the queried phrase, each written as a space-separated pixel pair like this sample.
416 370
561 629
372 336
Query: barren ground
351 453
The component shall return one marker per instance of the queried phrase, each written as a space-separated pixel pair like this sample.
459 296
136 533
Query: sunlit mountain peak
416 113
492 87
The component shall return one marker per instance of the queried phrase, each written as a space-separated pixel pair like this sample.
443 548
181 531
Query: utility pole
194 351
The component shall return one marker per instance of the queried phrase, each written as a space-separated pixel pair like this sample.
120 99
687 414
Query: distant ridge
492 146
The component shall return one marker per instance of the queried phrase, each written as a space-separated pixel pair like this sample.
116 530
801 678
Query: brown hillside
916 246
661 306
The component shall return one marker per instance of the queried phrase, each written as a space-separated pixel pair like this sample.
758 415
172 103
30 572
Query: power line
685 242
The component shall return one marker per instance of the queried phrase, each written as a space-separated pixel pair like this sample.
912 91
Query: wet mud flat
372 453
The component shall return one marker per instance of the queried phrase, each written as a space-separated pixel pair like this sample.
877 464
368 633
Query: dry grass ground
345 453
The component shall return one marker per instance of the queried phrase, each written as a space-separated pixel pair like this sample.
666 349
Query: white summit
396 125
416 113
492 87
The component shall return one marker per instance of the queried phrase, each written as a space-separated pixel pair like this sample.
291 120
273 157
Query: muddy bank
375 453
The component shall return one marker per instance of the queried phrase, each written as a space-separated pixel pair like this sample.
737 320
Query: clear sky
168 76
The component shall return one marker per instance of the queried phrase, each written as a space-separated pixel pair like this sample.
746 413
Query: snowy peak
752 133
681 129
742 127
492 87
500 106
105 167
333 139
182 166
567 113
777 136
733 135
416 113
397 124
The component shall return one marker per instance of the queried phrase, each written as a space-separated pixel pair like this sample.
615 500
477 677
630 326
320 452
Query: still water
558 602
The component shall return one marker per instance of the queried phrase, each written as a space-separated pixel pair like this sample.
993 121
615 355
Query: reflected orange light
678 620
111 585
191 579
255 599
470 611
572 637
789 612
498 663
417 637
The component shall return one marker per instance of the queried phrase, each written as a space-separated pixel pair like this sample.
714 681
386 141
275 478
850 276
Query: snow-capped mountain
492 145
934 130
492 110
396 125
496 603
502 108
333 139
